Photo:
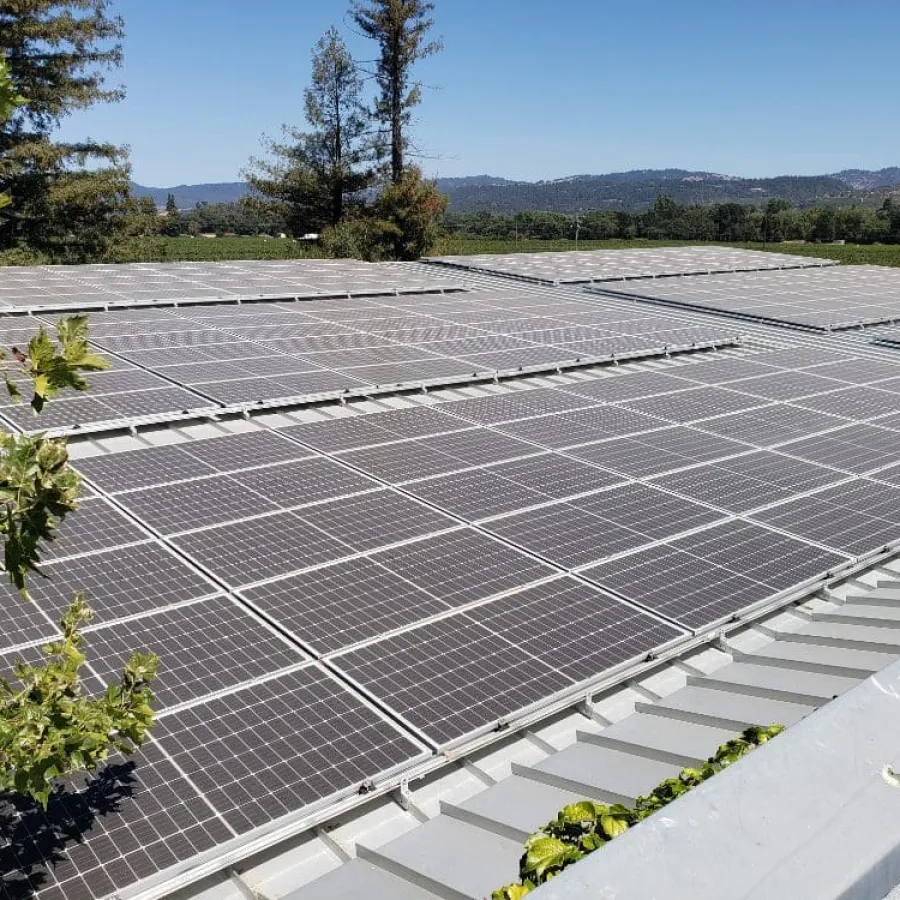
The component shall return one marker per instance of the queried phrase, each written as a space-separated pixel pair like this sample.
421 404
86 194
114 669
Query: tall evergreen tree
67 197
400 27
311 176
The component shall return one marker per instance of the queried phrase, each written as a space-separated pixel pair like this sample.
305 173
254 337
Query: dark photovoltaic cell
566 535
23 621
343 604
702 578
375 520
188 505
96 525
451 677
301 482
141 468
462 566
119 582
856 448
242 553
572 627
130 821
202 648
275 747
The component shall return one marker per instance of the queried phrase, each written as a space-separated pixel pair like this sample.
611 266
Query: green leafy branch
50 728
51 365
581 828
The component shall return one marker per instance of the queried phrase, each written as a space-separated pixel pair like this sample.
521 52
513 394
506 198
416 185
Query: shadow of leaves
33 841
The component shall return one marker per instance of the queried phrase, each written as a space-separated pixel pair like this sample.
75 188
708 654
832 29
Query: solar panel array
35 288
828 299
577 266
190 361
334 602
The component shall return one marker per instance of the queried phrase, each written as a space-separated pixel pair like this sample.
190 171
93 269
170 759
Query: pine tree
67 196
311 176
400 28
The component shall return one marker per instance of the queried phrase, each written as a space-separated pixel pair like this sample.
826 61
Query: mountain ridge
628 191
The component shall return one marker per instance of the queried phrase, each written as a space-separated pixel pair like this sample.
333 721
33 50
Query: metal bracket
403 796
586 707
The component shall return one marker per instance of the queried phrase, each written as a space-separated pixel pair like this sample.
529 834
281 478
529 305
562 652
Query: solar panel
658 451
462 567
119 582
23 621
824 299
235 452
301 482
203 648
451 678
142 468
713 574
613 265
574 628
96 525
855 448
748 482
566 535
188 505
343 604
103 833
475 494
646 510
375 520
403 462
554 476
242 553
278 746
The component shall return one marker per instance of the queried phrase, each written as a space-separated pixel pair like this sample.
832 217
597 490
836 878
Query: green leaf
513 892
614 825
545 854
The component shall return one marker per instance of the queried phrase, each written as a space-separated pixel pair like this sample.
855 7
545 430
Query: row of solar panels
34 288
579 266
335 601
166 363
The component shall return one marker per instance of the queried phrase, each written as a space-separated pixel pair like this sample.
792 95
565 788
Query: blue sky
529 89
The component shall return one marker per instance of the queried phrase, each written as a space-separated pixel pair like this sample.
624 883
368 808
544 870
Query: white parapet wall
813 814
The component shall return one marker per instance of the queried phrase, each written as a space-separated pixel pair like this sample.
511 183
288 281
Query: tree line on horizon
346 173
773 222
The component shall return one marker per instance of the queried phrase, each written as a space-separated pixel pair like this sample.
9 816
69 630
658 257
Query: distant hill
616 191
864 180
188 196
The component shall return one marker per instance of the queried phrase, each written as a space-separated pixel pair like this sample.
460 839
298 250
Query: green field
198 249
873 254
237 248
